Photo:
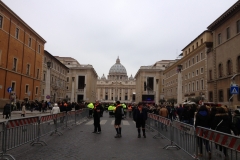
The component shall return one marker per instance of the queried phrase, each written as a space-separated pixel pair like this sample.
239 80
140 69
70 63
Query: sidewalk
17 114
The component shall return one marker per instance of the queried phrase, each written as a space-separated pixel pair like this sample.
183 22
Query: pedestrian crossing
103 122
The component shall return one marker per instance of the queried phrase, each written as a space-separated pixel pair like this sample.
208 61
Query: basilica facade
116 86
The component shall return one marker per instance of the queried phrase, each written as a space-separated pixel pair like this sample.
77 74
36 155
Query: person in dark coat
202 120
7 110
140 117
222 123
96 116
118 119
180 112
235 124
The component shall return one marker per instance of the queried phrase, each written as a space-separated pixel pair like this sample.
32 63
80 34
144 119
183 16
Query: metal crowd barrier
200 143
221 145
184 137
17 132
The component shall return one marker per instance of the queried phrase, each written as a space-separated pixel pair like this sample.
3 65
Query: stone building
187 77
224 59
150 81
117 85
81 80
58 78
21 56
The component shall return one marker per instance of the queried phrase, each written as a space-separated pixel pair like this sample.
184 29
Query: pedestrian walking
96 116
23 110
140 117
222 123
7 110
130 110
118 118
163 112
202 120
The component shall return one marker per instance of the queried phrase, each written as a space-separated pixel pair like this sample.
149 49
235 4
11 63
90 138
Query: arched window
238 63
229 67
220 70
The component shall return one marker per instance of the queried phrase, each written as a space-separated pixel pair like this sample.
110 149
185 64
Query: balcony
79 90
150 92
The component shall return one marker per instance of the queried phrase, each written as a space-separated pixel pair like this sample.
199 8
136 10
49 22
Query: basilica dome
117 69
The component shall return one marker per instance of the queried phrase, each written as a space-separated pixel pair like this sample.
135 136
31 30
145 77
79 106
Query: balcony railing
80 90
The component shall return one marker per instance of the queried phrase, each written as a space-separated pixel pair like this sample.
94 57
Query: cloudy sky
140 32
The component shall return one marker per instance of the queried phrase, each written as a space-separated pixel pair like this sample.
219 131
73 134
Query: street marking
125 123
103 121
89 123
112 123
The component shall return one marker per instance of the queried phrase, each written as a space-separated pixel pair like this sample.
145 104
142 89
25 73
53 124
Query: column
179 88
47 84
72 93
110 94
129 90
104 93
157 92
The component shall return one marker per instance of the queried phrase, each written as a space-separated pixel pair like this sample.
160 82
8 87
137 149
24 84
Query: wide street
80 143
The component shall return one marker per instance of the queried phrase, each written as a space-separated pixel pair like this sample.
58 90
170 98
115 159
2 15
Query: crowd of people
41 106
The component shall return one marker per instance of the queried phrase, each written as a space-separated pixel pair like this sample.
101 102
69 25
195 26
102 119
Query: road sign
234 89
9 89
48 97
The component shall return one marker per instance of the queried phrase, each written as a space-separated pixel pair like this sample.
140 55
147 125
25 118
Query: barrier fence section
218 145
2 126
184 137
17 132
200 143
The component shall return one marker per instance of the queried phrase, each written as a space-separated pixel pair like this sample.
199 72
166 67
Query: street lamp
49 64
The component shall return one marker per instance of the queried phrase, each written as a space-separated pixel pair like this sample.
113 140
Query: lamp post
48 81
179 89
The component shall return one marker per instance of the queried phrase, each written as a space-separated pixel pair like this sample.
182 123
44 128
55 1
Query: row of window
187 76
229 69
17 32
55 66
221 97
190 87
28 67
193 47
188 64
228 32
13 85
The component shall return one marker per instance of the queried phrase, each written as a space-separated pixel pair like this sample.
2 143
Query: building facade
117 85
81 81
191 79
224 59
58 78
150 81
21 56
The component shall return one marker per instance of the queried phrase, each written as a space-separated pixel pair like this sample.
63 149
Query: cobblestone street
80 143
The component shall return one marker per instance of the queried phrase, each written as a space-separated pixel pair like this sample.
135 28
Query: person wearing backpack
236 123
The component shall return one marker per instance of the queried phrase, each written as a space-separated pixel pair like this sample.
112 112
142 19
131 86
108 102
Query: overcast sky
140 32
